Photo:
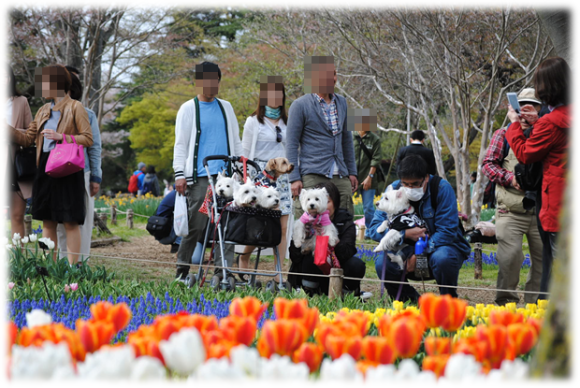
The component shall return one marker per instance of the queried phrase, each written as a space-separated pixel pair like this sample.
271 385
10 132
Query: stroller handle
232 159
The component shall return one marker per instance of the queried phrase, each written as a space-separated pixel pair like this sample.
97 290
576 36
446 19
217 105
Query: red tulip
435 310
344 328
497 338
523 336
358 318
536 324
471 345
337 345
435 346
12 335
248 307
363 365
457 314
201 322
119 315
282 336
378 350
310 354
297 309
93 335
55 333
404 331
436 364
504 317
243 329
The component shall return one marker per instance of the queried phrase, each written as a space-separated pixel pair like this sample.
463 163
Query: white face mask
414 194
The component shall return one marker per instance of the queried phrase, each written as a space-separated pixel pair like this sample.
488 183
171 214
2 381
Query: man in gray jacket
316 139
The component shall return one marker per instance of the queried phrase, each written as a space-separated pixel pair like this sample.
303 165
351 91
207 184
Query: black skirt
58 199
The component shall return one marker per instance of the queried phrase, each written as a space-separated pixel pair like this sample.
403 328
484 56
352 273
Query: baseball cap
528 95
140 165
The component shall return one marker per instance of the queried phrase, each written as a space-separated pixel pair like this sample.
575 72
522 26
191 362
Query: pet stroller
238 225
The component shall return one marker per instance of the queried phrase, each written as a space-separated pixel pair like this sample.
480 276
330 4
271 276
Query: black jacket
422 151
344 250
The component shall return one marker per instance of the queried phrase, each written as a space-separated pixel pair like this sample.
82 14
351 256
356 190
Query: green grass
121 230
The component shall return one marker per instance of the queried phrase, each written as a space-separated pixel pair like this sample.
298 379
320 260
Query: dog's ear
302 198
399 193
237 177
389 188
249 181
271 165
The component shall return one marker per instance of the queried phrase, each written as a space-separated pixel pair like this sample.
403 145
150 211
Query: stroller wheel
271 286
190 280
215 282
231 283
285 286
258 284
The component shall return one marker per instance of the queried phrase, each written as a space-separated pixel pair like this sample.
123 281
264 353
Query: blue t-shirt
213 140
52 123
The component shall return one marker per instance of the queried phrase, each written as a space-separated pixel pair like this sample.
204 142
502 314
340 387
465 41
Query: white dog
246 195
401 217
314 202
226 187
269 198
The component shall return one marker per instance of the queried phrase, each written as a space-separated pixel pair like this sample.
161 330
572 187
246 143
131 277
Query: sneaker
182 272
174 248
365 295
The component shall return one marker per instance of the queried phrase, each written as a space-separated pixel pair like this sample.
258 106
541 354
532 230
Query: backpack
147 186
134 183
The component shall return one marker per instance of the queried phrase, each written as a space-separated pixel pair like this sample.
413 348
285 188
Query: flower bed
443 338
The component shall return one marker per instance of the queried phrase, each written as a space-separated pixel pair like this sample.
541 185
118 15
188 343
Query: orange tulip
434 309
504 317
93 335
471 345
358 318
242 329
201 322
119 315
404 331
378 350
344 328
310 354
523 336
146 346
297 309
55 333
164 328
248 307
219 350
337 345
435 346
536 324
436 364
282 337
496 337
363 365
12 335
457 314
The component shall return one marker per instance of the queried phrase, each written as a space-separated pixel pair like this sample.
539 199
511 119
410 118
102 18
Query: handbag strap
364 148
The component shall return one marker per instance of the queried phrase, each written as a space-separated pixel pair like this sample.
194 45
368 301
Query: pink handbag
65 159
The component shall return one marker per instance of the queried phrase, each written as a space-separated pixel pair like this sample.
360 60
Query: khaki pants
197 222
343 185
86 228
510 229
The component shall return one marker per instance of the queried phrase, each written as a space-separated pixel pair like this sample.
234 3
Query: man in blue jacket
446 249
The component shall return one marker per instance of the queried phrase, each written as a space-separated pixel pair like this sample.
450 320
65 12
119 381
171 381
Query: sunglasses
278 134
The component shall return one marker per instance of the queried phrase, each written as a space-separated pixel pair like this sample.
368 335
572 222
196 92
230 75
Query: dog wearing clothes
402 216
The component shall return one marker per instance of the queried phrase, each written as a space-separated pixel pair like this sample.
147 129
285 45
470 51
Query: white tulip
148 368
40 362
25 240
50 244
246 359
381 373
37 317
113 363
462 367
16 237
184 351
33 237
408 369
8 246
426 376
282 368
219 369
343 368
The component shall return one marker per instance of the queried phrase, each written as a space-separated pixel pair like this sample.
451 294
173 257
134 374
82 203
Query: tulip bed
441 339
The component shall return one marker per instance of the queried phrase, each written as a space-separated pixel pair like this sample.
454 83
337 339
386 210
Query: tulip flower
378 350
184 351
344 328
40 362
93 335
66 288
434 309
337 345
310 354
12 335
536 324
404 331
243 329
358 318
248 307
523 336
119 314
25 240
505 317
246 359
435 346
436 364
496 336
37 317
74 286
283 337
10 285
33 237
201 322
297 309
457 314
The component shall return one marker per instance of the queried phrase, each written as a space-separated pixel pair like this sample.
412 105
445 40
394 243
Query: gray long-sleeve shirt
310 144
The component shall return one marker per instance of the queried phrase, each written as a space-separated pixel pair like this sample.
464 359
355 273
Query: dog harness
264 179
322 219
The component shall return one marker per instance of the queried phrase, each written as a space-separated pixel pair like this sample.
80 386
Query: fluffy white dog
314 202
401 217
225 186
246 195
269 198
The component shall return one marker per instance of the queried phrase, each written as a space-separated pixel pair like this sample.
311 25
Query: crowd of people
314 136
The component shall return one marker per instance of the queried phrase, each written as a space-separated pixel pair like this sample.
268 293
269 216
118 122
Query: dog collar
269 176
408 210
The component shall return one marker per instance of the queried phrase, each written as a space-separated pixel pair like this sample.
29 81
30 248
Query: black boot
182 272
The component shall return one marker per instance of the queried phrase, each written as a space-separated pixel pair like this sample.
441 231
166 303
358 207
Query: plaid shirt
493 160
330 112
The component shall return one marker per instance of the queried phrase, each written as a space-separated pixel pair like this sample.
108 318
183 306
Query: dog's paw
333 240
297 243
382 227
396 259
382 245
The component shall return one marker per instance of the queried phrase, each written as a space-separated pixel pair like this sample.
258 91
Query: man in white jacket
205 125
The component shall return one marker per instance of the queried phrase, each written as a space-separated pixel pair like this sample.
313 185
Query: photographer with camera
515 212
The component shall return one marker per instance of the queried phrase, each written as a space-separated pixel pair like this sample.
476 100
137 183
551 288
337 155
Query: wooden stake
103 217
27 225
478 261
361 233
130 218
335 284
114 215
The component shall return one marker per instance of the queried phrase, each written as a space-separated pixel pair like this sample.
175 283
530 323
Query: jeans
368 198
445 263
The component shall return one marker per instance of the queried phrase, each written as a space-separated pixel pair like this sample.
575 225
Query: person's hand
367 183
51 134
513 115
515 184
353 182
411 262
181 185
94 188
529 113
414 233
296 188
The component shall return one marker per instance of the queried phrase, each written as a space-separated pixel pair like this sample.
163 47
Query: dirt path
160 265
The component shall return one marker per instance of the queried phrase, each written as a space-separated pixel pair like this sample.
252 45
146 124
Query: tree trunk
557 24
